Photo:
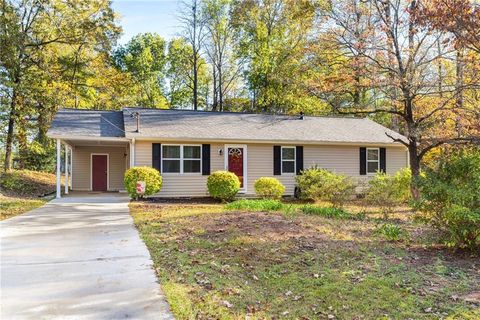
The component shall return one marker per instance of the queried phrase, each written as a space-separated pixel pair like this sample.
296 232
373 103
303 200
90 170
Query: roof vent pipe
136 115
302 115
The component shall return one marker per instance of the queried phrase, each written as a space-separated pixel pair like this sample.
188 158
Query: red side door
235 162
99 172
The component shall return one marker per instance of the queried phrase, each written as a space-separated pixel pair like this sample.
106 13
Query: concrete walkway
79 257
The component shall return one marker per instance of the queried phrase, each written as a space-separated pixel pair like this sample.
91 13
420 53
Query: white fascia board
284 142
88 138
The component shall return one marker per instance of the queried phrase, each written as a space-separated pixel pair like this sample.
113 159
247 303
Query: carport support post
59 184
71 168
66 169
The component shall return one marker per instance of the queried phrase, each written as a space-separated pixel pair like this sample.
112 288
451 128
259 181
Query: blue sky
138 16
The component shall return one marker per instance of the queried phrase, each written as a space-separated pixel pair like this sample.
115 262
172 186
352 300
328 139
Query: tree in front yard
406 72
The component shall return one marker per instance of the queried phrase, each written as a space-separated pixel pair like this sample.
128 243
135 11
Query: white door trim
91 169
245 162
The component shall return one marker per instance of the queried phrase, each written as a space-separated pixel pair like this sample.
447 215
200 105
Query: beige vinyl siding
260 164
180 185
346 160
81 167
340 159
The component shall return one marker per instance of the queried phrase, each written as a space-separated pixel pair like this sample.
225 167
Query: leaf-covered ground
27 183
215 263
24 190
10 207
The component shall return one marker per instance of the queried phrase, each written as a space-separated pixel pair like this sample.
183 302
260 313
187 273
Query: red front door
235 162
99 172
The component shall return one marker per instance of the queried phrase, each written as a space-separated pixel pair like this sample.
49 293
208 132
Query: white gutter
89 138
259 141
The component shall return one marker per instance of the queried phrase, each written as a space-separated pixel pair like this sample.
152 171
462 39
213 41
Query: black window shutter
299 159
363 161
277 160
383 160
157 156
205 159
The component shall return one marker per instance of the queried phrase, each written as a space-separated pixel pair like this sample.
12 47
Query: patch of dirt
421 256
262 227
473 297
259 225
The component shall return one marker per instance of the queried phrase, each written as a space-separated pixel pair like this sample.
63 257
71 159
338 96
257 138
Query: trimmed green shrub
450 198
269 188
326 212
223 185
151 176
321 184
390 232
387 191
255 205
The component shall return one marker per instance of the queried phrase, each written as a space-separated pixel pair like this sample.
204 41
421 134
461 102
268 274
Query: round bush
269 188
223 185
151 176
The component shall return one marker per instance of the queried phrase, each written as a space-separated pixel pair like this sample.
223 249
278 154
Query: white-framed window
181 158
288 160
373 160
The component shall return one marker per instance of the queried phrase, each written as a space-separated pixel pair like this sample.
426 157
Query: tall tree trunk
459 81
195 84
195 57
42 124
414 167
410 120
22 143
220 86
215 94
440 69
391 58
11 124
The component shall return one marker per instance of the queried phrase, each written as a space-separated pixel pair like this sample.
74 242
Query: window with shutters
373 160
181 158
288 160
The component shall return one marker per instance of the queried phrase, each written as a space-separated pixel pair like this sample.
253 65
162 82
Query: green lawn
221 263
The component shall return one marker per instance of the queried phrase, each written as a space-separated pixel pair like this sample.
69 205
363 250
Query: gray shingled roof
87 123
203 125
219 126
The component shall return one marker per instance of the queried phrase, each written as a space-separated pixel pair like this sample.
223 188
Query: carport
95 150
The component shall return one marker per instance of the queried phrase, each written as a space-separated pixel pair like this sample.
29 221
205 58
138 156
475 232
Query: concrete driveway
79 257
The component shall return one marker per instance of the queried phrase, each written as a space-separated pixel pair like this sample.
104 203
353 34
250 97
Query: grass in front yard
10 207
223 263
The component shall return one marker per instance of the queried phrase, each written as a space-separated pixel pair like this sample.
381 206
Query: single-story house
186 146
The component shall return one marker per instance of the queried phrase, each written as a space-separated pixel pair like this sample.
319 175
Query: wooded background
410 65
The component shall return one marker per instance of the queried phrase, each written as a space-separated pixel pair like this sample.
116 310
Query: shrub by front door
99 172
235 162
